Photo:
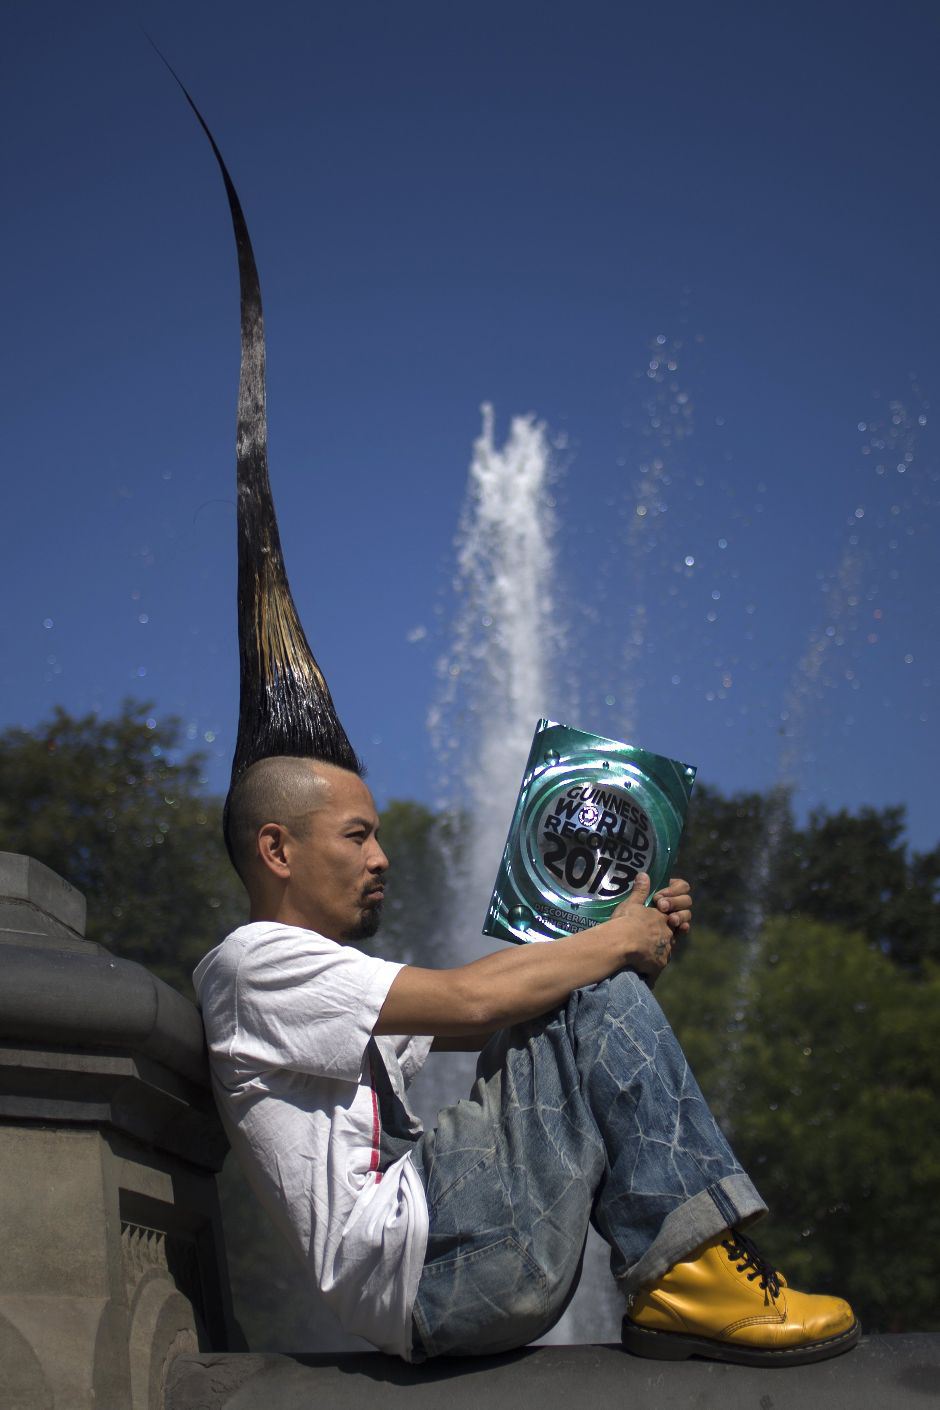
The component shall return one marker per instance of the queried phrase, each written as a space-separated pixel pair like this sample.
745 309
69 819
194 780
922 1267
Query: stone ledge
25 881
886 1371
117 1090
66 998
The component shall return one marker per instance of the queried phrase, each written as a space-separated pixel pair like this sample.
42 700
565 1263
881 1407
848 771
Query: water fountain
496 679
495 682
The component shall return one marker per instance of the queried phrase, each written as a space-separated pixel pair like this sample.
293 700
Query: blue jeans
589 1113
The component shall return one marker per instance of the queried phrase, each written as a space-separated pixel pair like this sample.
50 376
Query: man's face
337 869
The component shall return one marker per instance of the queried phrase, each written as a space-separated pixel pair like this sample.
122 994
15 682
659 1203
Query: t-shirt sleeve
308 1005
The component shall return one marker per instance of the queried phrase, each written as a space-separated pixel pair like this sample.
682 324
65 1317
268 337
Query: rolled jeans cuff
730 1203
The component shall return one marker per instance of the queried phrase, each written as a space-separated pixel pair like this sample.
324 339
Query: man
467 1239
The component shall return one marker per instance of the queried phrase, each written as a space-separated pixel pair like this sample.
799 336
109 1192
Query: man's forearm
523 982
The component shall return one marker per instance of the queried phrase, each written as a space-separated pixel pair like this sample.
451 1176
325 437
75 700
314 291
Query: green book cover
591 814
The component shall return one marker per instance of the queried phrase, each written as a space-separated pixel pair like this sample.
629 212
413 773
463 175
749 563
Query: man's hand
655 946
675 902
646 933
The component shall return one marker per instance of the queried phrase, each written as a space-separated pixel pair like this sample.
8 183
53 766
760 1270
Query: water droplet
722 543
48 623
908 660
141 670
860 513
609 700
143 619
209 736
151 723
689 561
715 595
676 679
551 758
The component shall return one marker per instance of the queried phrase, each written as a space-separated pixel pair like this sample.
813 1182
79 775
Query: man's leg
591 1111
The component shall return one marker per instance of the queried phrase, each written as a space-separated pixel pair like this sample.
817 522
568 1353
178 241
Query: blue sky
453 204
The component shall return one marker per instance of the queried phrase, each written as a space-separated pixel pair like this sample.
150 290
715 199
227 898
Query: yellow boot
728 1303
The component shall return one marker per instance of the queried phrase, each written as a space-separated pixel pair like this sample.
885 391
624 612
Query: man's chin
370 919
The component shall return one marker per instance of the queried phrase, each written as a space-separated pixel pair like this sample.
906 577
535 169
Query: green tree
818 1054
813 1040
747 859
701 997
731 851
118 808
856 870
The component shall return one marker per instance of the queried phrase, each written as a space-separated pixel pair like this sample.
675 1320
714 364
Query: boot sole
673 1346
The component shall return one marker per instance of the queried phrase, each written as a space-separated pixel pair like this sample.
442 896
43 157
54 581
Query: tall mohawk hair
285 706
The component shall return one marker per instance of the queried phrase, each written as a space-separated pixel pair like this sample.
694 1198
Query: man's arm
515 984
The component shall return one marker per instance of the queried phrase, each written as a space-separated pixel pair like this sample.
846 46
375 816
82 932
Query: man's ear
272 850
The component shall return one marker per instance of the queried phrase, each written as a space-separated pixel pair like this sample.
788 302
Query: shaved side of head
282 790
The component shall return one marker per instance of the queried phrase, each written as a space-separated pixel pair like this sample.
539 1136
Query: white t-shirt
314 1107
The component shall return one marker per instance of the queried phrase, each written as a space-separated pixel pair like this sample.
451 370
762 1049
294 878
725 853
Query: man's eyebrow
359 822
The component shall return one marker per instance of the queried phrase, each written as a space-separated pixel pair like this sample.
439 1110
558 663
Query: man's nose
378 860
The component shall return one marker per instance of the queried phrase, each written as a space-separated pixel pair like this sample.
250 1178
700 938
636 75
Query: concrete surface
881 1373
37 901
112 1248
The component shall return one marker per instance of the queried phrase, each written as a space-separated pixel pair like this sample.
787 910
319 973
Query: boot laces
740 1250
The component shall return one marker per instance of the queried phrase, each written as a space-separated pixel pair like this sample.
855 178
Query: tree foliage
807 1000
817 1054
117 808
748 859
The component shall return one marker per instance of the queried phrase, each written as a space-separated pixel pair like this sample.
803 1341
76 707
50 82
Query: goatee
368 924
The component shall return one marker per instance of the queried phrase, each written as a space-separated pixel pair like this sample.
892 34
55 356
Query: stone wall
113 1259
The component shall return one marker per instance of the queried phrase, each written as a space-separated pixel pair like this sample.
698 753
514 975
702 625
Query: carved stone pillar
112 1256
